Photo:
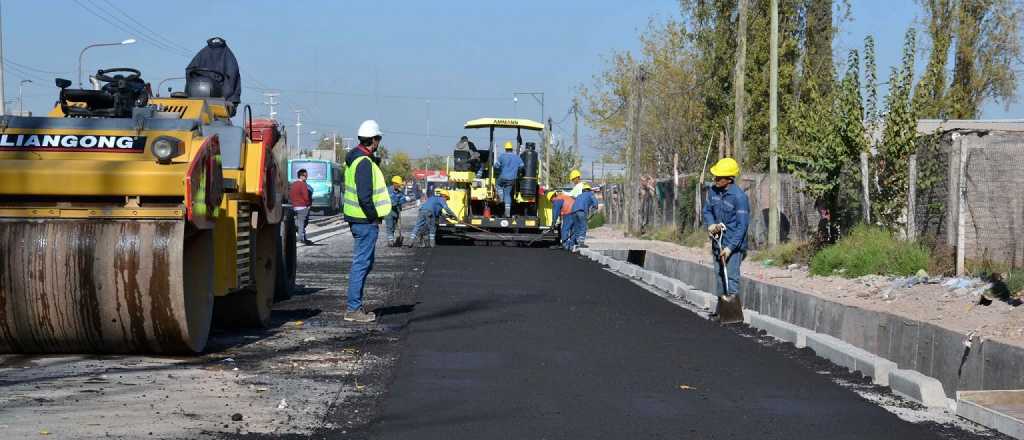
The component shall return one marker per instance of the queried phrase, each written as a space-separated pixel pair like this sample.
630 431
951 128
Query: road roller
128 223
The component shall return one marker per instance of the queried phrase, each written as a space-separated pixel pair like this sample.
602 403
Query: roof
505 123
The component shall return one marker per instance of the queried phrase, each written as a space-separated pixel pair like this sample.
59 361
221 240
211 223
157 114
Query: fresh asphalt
515 343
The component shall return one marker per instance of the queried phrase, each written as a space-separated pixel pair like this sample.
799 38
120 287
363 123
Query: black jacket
217 56
364 186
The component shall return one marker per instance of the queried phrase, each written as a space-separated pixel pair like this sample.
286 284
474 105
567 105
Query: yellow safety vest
381 199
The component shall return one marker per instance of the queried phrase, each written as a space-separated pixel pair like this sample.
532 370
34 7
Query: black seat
93 99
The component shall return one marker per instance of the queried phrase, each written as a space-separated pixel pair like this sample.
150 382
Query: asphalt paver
532 343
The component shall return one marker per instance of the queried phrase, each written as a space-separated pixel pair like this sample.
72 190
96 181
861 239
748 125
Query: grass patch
870 250
596 220
792 252
697 238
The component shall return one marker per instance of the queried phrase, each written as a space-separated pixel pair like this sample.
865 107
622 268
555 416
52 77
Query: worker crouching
581 208
562 216
726 215
397 200
426 221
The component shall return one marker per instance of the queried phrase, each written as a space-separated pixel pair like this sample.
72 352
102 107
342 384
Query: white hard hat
369 129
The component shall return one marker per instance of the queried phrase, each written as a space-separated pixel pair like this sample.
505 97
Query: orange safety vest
567 202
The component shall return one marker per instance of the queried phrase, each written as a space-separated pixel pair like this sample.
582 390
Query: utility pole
632 195
428 128
3 109
270 103
773 130
576 130
334 145
741 92
547 153
298 132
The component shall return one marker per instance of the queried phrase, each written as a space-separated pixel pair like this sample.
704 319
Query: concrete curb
968 408
855 359
916 386
781 330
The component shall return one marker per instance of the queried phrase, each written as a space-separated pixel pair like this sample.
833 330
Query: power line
33 69
164 39
124 26
371 95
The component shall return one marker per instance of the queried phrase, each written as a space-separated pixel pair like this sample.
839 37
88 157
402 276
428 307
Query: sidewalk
931 303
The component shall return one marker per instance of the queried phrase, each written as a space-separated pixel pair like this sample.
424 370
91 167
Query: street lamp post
82 53
547 130
21 100
160 84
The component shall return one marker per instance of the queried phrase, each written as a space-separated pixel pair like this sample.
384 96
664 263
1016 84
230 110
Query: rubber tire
286 261
251 307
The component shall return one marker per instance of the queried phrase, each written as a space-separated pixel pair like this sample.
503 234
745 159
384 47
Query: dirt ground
953 309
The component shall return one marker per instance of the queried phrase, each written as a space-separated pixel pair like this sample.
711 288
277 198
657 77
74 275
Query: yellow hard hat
442 192
508 145
574 174
397 180
551 194
726 167
586 186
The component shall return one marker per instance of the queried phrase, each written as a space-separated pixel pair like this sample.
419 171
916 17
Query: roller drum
104 286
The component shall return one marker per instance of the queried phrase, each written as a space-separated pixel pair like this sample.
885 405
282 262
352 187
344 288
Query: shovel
730 308
398 229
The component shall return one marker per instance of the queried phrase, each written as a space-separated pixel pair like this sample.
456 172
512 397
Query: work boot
508 211
360 316
308 242
391 243
433 243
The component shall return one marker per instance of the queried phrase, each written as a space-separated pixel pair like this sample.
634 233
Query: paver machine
127 221
475 199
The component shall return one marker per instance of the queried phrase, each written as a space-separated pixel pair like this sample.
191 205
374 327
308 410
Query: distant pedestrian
397 200
300 194
727 214
426 221
366 204
509 166
562 216
581 209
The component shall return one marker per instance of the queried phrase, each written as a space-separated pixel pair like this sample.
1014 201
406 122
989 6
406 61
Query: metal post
21 99
270 103
740 91
3 109
160 84
576 132
773 131
298 132
428 127
82 53
911 197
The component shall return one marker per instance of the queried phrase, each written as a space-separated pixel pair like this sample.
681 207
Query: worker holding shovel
727 214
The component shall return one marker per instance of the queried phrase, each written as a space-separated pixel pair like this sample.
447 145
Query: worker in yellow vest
366 204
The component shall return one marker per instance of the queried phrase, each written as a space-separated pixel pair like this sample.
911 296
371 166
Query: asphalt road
512 343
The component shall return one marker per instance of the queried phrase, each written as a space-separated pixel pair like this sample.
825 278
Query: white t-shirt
577 190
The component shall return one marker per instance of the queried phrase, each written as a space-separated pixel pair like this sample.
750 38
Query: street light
82 53
21 100
540 100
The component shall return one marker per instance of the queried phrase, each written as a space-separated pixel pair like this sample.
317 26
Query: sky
417 67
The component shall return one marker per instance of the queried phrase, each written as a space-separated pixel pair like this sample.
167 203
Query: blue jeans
363 253
391 221
301 219
567 222
734 272
425 225
505 189
579 228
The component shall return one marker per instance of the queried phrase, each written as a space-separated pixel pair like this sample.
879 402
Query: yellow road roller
128 222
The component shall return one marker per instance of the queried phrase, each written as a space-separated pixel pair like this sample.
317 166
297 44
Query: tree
398 164
930 93
563 159
432 162
898 141
336 144
988 45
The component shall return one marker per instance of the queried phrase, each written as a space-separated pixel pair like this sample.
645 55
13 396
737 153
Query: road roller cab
123 217
475 198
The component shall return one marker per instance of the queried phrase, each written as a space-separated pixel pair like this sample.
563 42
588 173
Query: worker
426 221
581 211
397 200
217 57
300 194
577 184
509 166
726 215
561 213
366 202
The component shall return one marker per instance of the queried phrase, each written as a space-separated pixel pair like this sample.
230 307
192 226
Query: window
316 170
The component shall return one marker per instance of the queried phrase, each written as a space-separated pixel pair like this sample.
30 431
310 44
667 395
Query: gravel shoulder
931 303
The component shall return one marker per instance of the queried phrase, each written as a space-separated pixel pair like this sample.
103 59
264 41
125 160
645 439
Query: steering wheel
220 77
104 75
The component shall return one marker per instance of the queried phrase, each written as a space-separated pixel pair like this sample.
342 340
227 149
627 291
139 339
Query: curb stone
916 386
781 330
855 359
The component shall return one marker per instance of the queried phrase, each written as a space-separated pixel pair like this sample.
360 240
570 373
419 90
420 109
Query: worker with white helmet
577 184
509 166
727 214
397 194
366 203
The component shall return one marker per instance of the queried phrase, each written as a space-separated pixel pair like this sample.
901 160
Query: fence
661 206
976 206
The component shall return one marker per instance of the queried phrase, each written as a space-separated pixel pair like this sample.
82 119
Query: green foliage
898 142
870 84
930 93
596 221
397 164
562 161
697 238
987 56
870 250
432 162
784 254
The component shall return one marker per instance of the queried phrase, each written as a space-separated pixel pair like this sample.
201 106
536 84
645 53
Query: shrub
798 252
696 238
596 220
870 250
